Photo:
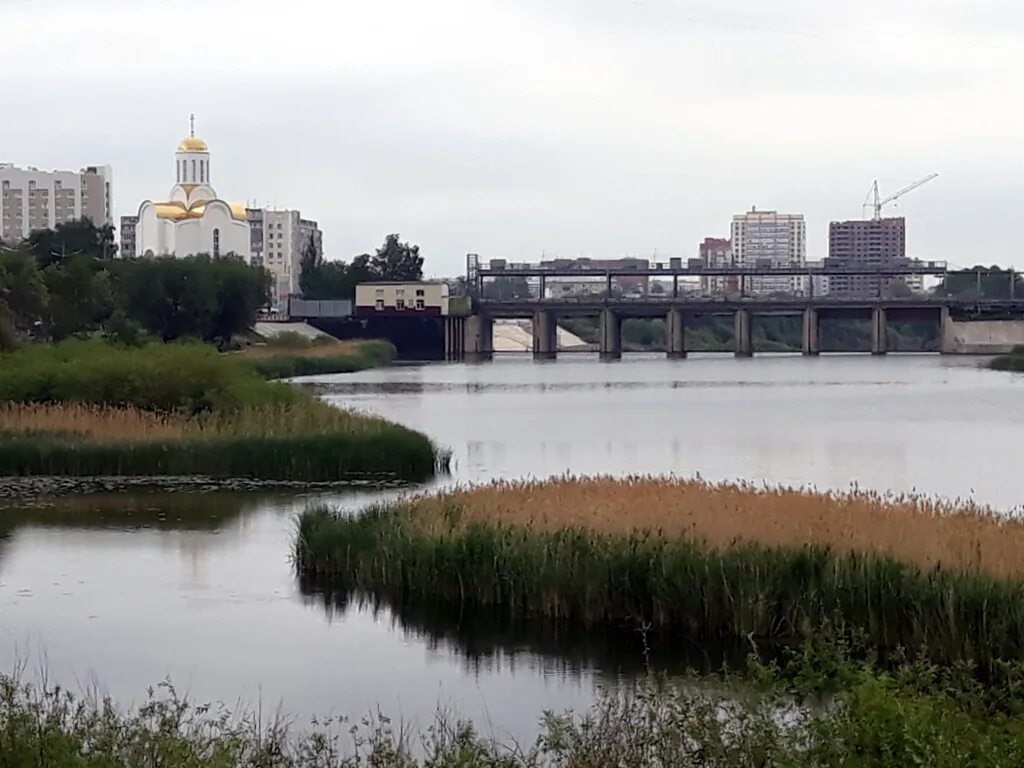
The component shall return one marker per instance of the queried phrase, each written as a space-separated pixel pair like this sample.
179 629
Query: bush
188 377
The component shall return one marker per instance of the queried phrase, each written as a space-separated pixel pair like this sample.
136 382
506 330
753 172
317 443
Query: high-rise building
128 224
865 243
762 239
31 199
717 252
278 241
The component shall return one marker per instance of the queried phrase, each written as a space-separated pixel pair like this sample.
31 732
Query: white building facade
193 220
31 199
770 239
278 240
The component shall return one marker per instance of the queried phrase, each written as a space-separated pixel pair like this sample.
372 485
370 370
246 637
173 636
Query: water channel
125 588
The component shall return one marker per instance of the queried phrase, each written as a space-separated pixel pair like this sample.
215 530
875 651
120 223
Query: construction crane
872 198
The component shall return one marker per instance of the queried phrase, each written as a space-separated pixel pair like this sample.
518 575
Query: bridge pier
545 335
811 334
454 339
947 338
611 335
478 338
879 342
742 334
675 334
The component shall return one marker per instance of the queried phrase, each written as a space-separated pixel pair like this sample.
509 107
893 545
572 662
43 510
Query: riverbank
881 719
712 562
285 358
1011 362
92 409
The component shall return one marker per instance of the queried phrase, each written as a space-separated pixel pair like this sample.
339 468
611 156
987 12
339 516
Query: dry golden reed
913 529
335 349
91 422
111 424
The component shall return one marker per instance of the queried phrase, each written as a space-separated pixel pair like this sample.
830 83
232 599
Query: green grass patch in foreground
883 719
777 595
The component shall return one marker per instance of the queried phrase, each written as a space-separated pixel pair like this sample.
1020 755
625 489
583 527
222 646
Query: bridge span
965 327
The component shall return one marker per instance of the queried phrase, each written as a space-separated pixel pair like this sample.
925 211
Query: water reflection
493 642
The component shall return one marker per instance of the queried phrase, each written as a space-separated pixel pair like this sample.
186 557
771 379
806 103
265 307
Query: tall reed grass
86 408
715 563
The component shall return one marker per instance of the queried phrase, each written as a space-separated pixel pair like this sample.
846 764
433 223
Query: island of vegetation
89 408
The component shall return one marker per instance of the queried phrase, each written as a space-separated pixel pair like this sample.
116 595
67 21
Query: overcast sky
563 127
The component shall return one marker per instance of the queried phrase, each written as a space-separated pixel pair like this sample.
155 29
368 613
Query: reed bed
715 562
913 529
276 362
85 408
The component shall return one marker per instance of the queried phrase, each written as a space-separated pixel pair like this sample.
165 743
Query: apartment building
32 199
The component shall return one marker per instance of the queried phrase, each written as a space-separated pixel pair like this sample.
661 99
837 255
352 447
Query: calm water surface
126 589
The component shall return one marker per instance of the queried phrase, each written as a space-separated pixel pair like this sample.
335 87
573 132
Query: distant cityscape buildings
32 199
769 239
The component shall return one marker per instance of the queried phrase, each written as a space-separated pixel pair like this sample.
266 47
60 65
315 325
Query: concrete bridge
965 327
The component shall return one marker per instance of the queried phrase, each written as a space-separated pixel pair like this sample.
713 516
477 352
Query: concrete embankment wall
982 337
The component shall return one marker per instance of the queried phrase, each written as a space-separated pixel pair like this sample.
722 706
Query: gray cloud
511 128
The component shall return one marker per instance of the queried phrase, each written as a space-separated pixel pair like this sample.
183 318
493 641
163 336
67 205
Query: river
123 589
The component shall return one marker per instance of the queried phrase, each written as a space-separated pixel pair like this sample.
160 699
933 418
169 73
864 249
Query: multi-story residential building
762 239
717 252
128 224
866 243
31 199
255 218
279 246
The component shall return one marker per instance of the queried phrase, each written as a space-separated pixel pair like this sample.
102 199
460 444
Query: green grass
1011 362
286 365
880 720
186 377
230 422
745 592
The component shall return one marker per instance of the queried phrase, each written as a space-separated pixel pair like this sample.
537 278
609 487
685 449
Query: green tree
23 294
981 283
80 296
71 238
507 288
201 297
396 260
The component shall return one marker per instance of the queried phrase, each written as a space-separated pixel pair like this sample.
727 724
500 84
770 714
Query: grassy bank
910 717
715 563
1011 362
88 408
291 355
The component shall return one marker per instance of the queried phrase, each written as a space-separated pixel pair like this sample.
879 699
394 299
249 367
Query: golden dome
193 144
176 211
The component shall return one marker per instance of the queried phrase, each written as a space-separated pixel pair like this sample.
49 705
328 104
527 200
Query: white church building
193 220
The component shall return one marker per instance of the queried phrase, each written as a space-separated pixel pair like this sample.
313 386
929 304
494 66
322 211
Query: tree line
394 260
66 282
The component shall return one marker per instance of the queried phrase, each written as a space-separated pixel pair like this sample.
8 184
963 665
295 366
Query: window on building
420 292
379 305
399 304
420 304
193 171
202 172
216 242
